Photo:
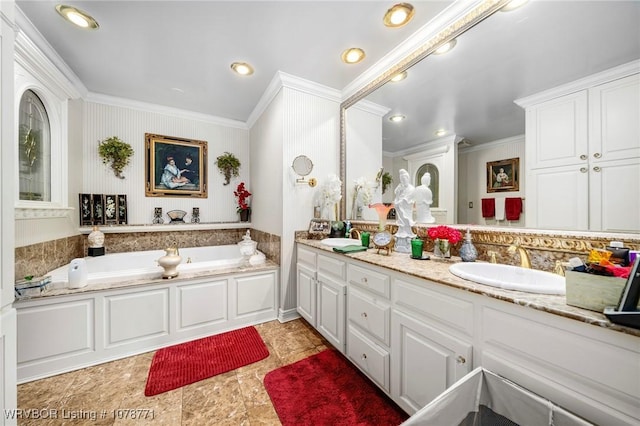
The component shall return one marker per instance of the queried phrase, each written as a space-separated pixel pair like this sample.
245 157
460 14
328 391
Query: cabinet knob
364 356
597 155
583 169
363 279
583 157
461 359
363 315
596 169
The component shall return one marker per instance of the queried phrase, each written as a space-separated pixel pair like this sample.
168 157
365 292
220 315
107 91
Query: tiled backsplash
38 259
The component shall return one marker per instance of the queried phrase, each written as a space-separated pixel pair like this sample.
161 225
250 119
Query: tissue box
593 292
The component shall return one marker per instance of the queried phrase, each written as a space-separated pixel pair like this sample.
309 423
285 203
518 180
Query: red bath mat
180 365
326 389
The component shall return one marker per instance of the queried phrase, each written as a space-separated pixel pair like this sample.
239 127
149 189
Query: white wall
472 179
106 117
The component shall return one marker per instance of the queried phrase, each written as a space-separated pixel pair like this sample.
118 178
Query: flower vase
244 215
442 248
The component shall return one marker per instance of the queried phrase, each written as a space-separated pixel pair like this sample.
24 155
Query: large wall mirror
469 92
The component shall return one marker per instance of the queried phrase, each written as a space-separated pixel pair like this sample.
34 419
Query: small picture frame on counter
122 209
110 209
97 209
86 209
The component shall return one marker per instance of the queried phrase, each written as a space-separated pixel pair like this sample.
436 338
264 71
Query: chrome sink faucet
525 261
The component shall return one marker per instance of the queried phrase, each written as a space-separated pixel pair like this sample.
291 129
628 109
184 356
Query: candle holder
157 216
195 215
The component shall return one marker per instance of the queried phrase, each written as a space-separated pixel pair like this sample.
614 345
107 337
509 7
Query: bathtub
142 265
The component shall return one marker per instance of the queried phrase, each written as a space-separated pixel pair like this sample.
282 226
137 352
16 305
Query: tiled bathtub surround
38 259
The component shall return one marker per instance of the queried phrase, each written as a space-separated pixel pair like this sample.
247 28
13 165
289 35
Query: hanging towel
499 208
513 208
488 207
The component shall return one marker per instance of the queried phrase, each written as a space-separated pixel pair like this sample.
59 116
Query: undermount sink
510 277
340 242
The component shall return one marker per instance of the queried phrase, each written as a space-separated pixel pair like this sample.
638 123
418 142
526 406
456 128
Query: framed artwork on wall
122 209
503 175
175 167
86 216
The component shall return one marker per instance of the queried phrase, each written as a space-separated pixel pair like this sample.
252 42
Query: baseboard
288 315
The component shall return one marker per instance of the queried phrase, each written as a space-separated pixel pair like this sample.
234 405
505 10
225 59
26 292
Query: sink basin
340 242
510 277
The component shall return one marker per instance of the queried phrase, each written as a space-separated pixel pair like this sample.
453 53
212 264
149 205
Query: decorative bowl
176 215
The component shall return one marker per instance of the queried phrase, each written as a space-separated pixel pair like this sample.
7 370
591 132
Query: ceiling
470 91
178 53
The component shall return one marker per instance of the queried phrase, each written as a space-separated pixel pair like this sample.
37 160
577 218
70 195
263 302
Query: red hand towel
513 208
488 207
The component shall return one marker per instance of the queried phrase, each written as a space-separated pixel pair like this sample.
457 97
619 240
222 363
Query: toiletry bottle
468 252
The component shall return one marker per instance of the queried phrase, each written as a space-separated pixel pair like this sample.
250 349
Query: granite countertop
55 290
437 270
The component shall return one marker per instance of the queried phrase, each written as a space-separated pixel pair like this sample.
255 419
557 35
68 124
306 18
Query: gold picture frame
503 175
175 167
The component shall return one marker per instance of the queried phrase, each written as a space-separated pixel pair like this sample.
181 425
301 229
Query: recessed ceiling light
77 17
397 118
440 132
400 76
513 5
177 89
398 15
242 68
353 55
445 47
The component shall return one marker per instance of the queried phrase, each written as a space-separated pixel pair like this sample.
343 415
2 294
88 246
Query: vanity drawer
369 314
335 268
306 257
371 358
374 282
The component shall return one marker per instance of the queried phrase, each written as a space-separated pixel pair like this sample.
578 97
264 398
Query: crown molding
493 144
165 110
282 79
371 107
614 73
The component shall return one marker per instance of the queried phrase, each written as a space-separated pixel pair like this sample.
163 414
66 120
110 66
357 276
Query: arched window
34 149
435 181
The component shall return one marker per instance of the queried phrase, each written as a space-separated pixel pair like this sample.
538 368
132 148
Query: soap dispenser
468 252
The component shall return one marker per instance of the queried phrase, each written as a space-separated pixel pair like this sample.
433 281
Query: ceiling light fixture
242 68
513 5
440 132
77 17
399 77
446 47
398 15
397 118
353 55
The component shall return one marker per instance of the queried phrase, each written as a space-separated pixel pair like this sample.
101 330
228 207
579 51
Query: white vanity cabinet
583 154
306 284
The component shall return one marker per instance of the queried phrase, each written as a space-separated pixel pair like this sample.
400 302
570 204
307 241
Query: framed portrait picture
121 204
110 203
319 226
175 167
85 208
97 209
503 175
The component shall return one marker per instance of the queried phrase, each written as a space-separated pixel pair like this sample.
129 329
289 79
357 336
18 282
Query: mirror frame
459 26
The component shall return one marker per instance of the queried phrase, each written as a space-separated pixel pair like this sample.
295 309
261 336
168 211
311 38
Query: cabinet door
306 293
614 117
556 132
557 198
424 361
330 318
614 196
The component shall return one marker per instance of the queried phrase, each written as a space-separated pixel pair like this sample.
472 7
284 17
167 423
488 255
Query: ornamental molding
23 213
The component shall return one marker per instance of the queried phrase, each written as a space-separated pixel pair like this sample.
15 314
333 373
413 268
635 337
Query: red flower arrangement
242 194
444 233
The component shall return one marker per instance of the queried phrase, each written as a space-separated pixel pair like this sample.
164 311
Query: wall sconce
303 165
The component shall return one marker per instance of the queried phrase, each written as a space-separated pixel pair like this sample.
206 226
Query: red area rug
180 365
326 389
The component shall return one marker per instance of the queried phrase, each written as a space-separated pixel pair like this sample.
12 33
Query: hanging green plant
228 165
115 152
386 181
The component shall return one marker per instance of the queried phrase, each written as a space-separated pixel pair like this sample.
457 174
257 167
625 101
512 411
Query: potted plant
243 205
229 165
386 181
115 152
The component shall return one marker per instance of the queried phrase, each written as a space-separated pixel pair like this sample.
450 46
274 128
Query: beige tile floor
105 394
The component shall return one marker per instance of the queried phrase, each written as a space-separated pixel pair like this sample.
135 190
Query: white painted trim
265 100
614 73
126 229
426 147
371 107
288 315
444 19
160 109
43 212
493 144
429 153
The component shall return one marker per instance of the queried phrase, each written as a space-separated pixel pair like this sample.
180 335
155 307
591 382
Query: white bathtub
118 267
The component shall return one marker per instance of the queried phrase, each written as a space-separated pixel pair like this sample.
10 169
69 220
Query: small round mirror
302 165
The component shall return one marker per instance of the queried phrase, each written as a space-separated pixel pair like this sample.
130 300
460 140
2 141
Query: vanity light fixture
445 47
77 17
399 77
242 68
398 15
513 5
353 55
397 118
